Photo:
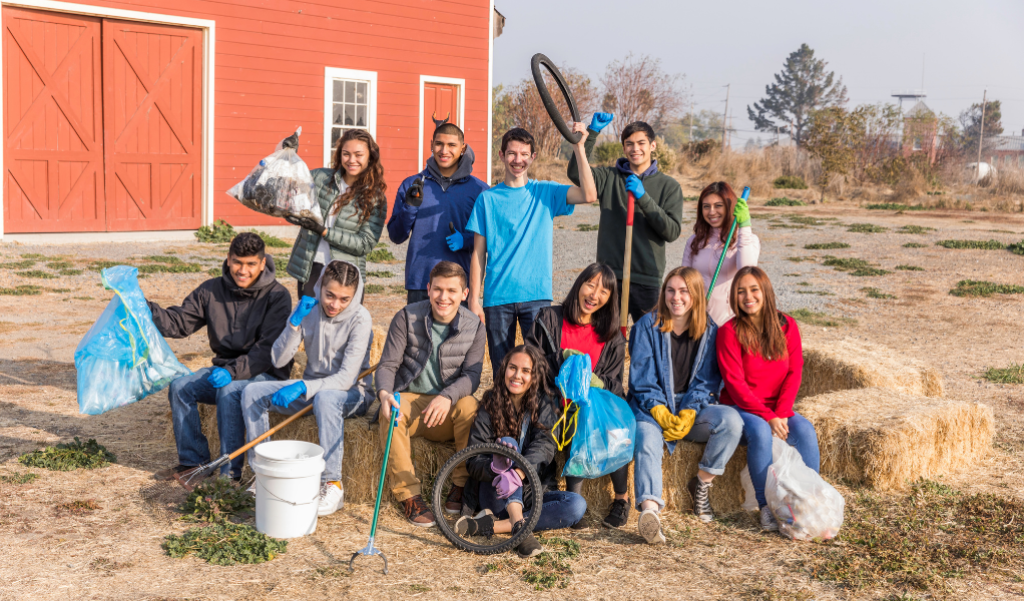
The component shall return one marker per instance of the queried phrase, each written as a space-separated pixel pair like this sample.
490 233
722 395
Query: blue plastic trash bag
123 358
606 428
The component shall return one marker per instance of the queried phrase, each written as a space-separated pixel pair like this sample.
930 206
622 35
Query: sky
876 46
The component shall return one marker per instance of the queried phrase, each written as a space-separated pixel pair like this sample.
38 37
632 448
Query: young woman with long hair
519 412
761 358
673 388
351 197
717 207
587 322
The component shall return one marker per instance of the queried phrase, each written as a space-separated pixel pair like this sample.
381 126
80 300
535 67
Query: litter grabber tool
627 263
369 549
728 240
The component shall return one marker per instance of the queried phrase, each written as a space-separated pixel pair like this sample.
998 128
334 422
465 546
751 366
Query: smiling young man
430 204
658 210
514 227
433 357
244 310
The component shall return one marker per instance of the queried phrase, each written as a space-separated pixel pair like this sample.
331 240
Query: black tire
532 480
549 103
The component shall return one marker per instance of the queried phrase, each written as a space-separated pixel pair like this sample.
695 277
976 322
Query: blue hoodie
426 226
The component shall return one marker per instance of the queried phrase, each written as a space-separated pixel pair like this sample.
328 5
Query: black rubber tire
491 448
549 103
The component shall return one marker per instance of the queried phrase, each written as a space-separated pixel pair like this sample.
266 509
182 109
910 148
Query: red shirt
583 339
765 388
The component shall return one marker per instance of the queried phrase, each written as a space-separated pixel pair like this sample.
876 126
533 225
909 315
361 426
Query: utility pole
691 120
725 114
981 132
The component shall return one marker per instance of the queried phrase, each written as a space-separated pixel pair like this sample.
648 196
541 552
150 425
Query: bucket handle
292 503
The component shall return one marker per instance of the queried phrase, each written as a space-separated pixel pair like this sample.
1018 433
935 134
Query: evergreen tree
970 125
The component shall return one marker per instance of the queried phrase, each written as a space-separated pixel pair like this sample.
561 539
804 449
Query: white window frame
332 73
424 80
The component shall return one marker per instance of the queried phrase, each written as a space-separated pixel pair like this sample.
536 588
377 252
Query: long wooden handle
627 264
294 417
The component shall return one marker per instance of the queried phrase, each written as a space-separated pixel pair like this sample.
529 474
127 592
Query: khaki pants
455 427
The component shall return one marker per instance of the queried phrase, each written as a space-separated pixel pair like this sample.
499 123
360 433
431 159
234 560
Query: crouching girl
518 412
673 385
337 332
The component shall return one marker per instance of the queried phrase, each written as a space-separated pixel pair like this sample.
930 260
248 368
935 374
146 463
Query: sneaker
768 521
483 525
530 547
417 512
618 515
649 525
332 498
701 503
453 504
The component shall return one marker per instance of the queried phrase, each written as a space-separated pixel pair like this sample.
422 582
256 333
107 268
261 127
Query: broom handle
384 467
294 417
728 241
627 265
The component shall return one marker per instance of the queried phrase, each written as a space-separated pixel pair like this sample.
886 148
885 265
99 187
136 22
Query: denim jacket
651 376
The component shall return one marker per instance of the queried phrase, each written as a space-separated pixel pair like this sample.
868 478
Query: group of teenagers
721 369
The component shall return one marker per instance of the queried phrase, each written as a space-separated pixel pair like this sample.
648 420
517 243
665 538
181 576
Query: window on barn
350 102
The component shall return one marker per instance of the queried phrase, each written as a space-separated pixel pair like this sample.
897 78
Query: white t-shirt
323 250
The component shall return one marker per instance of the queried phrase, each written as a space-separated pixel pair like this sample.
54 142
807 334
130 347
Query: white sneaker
332 499
649 525
768 521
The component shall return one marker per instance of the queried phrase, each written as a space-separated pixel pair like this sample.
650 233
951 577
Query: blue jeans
330 407
560 509
185 394
720 426
501 327
757 436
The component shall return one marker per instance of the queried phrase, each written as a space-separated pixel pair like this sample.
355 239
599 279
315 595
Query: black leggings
620 480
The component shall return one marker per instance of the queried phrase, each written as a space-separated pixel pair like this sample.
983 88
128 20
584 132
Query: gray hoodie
337 348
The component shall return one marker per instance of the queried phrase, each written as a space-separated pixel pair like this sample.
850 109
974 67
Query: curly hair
701 227
369 188
506 420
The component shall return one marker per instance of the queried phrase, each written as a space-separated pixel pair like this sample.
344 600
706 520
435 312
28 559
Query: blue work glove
306 304
601 121
634 185
219 377
455 241
285 396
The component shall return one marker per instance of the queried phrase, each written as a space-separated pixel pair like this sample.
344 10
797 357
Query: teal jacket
350 240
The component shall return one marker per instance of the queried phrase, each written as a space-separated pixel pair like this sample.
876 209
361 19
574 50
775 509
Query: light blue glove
285 396
455 241
219 377
601 121
634 185
306 304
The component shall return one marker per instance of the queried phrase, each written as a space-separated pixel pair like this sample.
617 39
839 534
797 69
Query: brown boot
453 504
417 512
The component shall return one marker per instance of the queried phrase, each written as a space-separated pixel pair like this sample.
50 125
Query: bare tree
525 109
636 89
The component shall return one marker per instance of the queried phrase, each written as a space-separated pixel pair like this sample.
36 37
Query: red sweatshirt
765 388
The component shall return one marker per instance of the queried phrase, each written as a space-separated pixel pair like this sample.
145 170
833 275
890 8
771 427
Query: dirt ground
114 552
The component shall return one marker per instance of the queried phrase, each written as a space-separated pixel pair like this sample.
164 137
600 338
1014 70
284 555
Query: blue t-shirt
519 226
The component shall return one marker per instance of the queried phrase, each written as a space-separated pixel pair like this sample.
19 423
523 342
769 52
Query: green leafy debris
827 246
380 255
915 245
70 456
218 233
914 229
1007 375
909 268
379 274
373 289
18 478
272 241
172 268
23 290
876 293
216 500
972 244
856 267
866 228
37 273
981 288
586 227
1016 248
225 544
551 568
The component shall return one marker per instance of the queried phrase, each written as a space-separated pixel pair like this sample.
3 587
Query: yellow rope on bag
574 420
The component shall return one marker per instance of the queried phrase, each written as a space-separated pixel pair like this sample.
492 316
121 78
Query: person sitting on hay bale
518 412
244 310
337 332
433 356
587 321
673 384
761 358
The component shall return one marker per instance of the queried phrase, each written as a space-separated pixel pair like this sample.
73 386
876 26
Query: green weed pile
225 544
219 233
980 288
1007 375
914 229
551 568
18 478
972 244
272 241
22 290
70 456
915 245
586 227
785 202
380 255
216 500
866 228
857 267
876 293
379 274
1017 249
826 246
373 289
893 206
909 268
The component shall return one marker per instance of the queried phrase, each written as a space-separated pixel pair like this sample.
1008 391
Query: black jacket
538 448
546 335
241 323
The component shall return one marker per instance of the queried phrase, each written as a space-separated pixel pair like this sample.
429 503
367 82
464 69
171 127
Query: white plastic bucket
287 487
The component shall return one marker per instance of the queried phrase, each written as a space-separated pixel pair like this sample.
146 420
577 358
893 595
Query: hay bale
886 439
850 364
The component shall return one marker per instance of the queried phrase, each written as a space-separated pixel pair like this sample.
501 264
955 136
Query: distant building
1006 151
920 132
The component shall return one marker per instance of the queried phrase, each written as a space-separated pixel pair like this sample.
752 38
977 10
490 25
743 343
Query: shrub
272 241
380 255
70 456
785 202
792 182
666 157
826 246
225 544
972 244
606 153
980 288
218 233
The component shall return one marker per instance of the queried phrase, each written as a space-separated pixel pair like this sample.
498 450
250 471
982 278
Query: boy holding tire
658 213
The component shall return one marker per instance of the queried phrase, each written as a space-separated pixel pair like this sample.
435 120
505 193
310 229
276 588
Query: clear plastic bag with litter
123 357
805 505
281 184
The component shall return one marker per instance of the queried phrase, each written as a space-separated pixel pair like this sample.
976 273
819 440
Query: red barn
138 115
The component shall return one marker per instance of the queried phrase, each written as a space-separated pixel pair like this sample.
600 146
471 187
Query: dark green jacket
350 241
657 219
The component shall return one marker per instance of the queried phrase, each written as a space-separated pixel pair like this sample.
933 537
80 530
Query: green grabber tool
369 549
728 240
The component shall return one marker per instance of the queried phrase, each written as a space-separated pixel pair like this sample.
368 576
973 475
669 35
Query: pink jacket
744 254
